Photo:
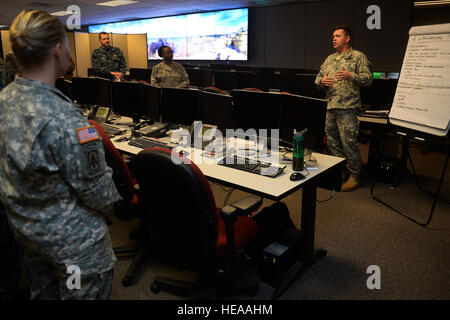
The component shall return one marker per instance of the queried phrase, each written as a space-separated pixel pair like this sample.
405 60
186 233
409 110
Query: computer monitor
65 86
379 95
180 105
100 74
221 66
126 99
228 80
255 110
300 84
151 102
91 91
299 112
216 110
199 77
140 74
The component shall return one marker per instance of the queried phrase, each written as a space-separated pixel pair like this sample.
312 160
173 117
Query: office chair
129 207
252 89
123 180
213 90
185 228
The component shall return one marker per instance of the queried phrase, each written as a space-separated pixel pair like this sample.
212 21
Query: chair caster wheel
126 281
155 288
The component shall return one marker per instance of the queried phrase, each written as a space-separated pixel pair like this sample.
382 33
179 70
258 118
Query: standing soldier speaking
342 74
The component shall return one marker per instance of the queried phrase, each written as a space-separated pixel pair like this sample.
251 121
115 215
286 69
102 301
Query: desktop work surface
272 188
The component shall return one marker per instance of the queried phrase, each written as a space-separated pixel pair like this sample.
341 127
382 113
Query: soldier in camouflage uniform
2 74
56 187
341 75
108 59
12 67
169 73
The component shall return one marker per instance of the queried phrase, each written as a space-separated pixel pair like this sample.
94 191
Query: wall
133 46
299 35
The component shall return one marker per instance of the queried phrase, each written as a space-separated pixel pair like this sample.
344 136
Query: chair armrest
247 205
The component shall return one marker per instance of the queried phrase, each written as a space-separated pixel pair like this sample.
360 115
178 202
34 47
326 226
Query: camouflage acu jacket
55 184
169 76
344 94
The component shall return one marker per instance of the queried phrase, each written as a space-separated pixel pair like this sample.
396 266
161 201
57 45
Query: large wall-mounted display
218 35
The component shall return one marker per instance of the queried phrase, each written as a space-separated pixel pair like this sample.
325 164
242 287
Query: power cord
331 197
228 191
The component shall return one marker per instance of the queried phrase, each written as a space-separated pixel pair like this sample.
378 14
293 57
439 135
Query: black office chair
185 228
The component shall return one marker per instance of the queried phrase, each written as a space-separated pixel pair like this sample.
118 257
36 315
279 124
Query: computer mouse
296 176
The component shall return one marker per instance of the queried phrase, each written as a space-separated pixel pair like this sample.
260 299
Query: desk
274 189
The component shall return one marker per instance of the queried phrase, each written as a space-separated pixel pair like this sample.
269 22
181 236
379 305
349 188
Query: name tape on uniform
87 134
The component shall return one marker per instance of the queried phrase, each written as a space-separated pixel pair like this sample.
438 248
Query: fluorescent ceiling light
60 13
431 3
116 3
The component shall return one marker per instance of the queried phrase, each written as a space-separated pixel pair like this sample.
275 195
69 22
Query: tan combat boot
352 183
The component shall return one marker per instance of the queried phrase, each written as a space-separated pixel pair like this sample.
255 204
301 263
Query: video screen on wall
218 35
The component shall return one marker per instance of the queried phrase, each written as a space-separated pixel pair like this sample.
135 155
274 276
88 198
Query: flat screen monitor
91 91
216 35
379 95
65 86
229 80
199 77
151 102
255 110
180 105
300 84
140 74
126 99
299 112
216 110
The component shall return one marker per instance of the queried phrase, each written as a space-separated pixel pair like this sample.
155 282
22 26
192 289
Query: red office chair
123 180
129 206
253 89
185 228
213 90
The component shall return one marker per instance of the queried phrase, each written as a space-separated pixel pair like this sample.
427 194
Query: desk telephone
150 128
205 133
99 114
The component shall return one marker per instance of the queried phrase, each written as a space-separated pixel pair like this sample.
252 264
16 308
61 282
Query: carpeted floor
357 232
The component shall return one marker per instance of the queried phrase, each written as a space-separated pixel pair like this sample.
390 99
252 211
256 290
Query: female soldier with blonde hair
55 185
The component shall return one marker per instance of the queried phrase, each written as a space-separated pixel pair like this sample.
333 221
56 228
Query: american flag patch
87 134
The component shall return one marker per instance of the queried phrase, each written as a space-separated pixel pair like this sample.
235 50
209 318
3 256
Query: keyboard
112 131
144 143
251 165
379 114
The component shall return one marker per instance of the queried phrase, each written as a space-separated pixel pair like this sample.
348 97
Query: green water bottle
299 151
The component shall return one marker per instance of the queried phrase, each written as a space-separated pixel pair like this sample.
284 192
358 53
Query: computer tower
279 256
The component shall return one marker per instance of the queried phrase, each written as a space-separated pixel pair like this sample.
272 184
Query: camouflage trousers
47 282
342 129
